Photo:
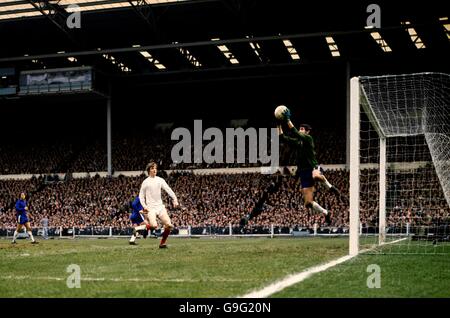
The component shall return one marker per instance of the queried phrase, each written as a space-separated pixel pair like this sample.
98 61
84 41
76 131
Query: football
280 111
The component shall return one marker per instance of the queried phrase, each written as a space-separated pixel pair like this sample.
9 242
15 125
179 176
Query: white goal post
400 162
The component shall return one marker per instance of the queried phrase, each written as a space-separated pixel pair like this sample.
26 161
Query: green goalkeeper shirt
304 148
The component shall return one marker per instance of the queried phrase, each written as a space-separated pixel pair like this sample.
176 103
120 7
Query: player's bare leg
151 215
149 227
319 177
28 227
165 220
141 228
133 237
308 195
16 232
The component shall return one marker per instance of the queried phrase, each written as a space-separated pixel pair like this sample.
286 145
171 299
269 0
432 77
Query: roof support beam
240 10
144 10
197 44
56 14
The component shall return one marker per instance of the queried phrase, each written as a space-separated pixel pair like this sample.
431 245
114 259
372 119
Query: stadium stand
131 153
211 202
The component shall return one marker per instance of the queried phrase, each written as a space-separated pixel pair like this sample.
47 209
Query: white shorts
158 210
161 213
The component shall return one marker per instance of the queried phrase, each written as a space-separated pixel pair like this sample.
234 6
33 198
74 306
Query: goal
400 164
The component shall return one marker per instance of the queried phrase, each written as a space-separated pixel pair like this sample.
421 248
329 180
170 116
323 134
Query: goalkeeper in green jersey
308 168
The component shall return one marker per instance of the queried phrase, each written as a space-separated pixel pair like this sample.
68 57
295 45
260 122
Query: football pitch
211 268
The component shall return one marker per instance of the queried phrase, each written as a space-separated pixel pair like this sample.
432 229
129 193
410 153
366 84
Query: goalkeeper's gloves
287 115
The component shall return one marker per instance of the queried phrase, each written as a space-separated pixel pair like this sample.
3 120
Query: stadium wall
292 170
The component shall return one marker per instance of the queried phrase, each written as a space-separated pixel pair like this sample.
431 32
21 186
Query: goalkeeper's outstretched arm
289 140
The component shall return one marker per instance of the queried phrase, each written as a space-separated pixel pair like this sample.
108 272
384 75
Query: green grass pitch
211 267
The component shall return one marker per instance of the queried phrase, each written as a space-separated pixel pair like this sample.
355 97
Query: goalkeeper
308 168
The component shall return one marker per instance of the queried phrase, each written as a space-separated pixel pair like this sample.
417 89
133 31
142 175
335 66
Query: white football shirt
150 194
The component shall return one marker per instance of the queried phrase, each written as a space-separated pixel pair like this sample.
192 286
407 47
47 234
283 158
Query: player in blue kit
22 219
139 222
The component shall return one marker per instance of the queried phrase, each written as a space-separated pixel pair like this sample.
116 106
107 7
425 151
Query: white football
279 112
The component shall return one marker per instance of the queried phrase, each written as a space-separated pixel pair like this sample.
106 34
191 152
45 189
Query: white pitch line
25 277
294 279
118 279
392 242
299 277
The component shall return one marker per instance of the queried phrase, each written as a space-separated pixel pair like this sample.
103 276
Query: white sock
327 184
141 227
316 207
15 236
31 236
133 238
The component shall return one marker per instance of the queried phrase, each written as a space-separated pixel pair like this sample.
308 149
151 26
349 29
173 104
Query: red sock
164 236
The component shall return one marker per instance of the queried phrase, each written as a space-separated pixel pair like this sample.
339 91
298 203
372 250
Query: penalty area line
299 277
393 242
294 279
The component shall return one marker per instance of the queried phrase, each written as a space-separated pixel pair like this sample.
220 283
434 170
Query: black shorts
306 177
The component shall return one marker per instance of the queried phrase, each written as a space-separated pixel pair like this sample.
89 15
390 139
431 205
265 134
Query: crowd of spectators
45 157
131 152
79 203
211 200
218 200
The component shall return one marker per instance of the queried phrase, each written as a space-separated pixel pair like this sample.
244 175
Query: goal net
400 164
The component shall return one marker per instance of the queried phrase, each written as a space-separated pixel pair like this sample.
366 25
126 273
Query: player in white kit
150 197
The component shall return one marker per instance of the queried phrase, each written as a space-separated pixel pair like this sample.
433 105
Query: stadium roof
150 37
14 9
